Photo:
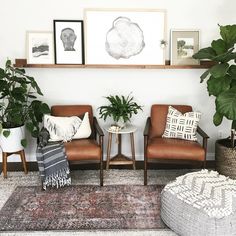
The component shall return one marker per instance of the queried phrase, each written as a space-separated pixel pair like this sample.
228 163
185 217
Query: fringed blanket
53 165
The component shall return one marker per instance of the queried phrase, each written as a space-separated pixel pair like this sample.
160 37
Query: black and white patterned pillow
182 126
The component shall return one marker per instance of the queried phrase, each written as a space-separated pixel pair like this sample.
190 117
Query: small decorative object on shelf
120 109
163 43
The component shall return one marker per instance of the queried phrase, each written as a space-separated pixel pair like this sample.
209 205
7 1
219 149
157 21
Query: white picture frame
39 48
69 41
125 36
184 43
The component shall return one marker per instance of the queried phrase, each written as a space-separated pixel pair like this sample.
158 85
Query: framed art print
40 47
68 41
184 43
123 36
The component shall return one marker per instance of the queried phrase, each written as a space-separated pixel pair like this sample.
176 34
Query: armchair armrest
202 133
97 127
147 126
204 142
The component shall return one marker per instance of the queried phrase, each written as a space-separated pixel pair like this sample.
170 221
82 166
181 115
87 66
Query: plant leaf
215 86
226 104
204 75
228 34
217 119
219 46
219 70
205 53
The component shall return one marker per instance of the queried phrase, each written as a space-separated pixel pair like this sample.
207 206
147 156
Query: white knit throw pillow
67 128
182 126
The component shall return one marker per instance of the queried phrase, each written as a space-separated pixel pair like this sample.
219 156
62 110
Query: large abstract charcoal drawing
125 39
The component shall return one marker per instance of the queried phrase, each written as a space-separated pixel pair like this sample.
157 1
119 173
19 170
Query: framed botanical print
184 43
68 41
40 47
125 36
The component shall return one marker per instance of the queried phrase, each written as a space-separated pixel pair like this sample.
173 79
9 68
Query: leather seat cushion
175 149
82 149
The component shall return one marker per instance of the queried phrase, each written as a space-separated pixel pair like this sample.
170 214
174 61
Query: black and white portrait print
68 38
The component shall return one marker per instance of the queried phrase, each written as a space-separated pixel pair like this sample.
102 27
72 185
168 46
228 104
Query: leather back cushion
72 110
158 117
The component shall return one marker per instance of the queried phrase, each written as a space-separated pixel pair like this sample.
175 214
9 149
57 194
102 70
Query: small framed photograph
184 43
125 36
68 41
40 48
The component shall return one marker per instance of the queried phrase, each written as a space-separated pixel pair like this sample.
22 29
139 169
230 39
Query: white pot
13 142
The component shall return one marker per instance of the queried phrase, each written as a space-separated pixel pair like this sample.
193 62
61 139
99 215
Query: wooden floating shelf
23 64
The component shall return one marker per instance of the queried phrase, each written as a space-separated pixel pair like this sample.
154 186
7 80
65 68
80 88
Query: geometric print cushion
182 126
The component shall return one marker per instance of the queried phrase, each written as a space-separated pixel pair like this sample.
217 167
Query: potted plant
19 107
120 109
221 83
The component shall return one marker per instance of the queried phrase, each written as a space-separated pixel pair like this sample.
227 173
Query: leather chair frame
97 133
146 135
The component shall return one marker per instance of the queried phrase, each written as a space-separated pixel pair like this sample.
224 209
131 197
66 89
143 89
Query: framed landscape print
184 43
40 47
68 41
123 36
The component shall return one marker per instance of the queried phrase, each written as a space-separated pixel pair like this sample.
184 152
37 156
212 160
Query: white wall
71 86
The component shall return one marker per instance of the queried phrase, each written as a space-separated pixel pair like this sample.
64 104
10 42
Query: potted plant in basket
19 107
120 109
221 83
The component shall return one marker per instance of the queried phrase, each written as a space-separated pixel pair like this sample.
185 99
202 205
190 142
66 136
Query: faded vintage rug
83 207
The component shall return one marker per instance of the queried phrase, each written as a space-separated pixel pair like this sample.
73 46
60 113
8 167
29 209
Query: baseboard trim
33 166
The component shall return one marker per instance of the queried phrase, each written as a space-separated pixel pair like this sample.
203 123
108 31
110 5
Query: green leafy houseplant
119 108
18 102
221 77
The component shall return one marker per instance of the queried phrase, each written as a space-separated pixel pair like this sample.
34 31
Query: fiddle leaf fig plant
221 77
119 107
18 101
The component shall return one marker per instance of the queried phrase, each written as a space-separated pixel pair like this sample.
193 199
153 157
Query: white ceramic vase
13 142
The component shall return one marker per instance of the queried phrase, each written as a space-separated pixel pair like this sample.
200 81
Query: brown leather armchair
83 150
170 150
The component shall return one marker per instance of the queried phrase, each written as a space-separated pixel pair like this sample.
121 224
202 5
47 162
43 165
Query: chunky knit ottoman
200 203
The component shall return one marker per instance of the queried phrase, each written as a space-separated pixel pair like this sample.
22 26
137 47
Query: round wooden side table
120 159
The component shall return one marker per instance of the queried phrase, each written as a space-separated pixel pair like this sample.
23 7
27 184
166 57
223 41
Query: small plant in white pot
19 107
120 109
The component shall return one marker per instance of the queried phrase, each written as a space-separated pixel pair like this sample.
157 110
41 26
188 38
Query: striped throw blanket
53 165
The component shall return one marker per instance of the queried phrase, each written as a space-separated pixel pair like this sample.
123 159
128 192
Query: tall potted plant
19 107
120 109
221 83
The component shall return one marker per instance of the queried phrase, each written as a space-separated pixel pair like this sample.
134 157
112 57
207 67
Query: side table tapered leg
109 150
132 149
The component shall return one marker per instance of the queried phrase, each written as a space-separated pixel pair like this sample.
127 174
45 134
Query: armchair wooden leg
101 162
145 170
101 173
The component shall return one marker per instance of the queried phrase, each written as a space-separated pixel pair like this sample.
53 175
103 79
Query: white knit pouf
200 203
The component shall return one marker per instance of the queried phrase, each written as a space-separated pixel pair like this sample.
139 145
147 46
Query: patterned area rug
82 207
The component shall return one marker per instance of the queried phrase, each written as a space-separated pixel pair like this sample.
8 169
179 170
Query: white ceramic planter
13 142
